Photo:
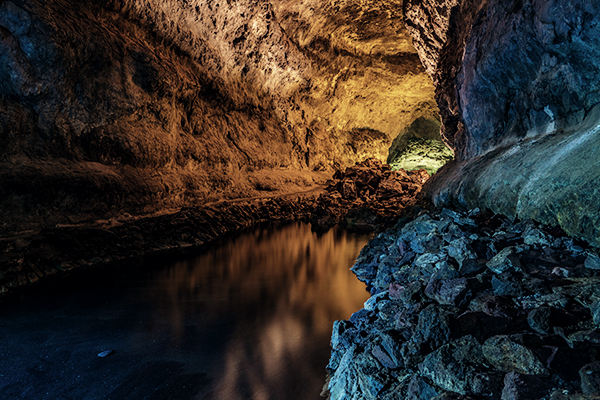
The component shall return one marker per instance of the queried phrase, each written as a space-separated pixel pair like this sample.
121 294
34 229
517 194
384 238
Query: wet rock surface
471 306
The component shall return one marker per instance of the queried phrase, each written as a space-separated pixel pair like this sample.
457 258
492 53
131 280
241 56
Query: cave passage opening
420 146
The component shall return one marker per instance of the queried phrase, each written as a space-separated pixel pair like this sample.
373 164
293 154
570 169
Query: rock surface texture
471 306
137 105
517 86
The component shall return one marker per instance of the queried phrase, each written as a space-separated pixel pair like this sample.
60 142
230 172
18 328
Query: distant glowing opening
420 146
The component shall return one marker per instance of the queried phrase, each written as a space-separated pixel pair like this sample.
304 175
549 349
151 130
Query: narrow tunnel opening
420 146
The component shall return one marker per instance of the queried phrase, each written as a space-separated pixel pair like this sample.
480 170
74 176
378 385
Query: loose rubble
471 306
367 194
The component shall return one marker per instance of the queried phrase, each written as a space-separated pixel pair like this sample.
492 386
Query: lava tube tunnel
287 199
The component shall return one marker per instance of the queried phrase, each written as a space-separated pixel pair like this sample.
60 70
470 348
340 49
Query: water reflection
271 297
249 319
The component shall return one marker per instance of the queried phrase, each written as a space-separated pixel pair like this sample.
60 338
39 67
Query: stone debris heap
367 193
471 306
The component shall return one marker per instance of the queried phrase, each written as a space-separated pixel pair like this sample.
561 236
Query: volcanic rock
481 332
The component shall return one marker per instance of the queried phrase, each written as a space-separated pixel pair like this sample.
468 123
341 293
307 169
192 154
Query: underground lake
248 318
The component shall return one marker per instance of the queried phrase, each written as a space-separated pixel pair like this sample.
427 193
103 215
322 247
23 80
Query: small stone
458 367
446 271
460 250
524 387
105 353
371 303
562 272
392 348
532 235
419 389
449 292
506 260
396 290
504 288
539 320
508 356
590 378
383 357
471 267
429 258
592 261
589 336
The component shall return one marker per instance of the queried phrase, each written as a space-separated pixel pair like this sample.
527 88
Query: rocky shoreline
471 306
32 257
55 252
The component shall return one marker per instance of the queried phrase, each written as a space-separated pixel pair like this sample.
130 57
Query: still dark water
250 318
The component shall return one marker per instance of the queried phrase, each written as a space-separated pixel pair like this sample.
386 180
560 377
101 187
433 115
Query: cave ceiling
144 104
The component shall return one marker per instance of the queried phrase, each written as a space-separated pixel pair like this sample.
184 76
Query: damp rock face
517 87
515 322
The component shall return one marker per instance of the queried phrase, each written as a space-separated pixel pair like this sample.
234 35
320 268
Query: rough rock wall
99 112
366 72
136 105
517 84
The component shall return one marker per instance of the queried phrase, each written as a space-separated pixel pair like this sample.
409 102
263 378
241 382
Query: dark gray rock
384 358
587 336
460 249
592 261
505 260
407 293
445 271
532 235
392 347
525 387
539 320
590 378
459 367
432 331
419 389
471 267
505 287
430 258
509 356
447 292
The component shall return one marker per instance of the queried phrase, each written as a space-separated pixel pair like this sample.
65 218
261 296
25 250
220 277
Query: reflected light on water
265 301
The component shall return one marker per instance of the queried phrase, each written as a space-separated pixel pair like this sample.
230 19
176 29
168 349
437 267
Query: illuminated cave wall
138 105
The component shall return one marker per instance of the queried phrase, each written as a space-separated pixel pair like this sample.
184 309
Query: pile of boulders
471 306
367 193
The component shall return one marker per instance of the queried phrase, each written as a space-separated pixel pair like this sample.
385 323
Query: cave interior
144 123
